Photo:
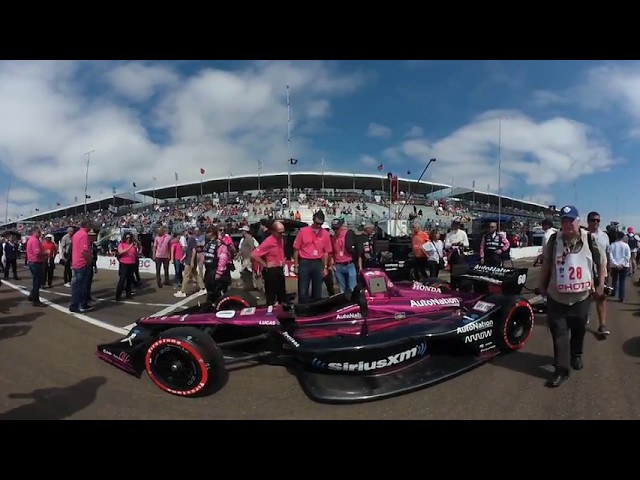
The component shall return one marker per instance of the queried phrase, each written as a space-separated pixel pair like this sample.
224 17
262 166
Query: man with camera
573 272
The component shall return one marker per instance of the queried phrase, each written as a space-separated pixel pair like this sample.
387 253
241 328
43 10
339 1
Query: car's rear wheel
185 361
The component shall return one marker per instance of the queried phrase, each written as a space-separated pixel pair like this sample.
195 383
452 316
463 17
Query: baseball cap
337 222
325 225
244 228
569 211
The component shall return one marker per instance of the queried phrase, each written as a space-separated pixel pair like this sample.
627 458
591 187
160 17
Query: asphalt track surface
49 371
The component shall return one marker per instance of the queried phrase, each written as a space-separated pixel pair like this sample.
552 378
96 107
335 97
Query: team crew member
419 238
217 265
312 248
365 246
492 246
602 239
620 261
270 256
128 258
343 245
328 279
50 252
35 258
572 271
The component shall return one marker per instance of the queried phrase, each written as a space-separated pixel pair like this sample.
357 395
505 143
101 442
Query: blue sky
563 123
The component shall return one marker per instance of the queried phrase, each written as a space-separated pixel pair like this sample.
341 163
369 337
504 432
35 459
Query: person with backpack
573 273
633 240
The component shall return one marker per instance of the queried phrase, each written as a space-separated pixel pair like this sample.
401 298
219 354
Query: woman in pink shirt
270 256
128 258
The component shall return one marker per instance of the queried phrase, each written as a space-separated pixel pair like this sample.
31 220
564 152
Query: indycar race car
382 339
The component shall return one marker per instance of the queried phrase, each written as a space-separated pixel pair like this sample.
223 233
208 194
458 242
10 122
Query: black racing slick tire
186 362
513 323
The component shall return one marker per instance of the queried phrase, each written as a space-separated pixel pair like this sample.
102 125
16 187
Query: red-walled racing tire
185 361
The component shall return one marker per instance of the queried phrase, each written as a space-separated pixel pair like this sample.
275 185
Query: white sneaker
180 294
68 285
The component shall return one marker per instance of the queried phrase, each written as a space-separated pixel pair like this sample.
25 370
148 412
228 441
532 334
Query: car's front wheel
185 361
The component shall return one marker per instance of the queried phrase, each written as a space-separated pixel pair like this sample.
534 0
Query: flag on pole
408 172
473 184
155 179
134 185
381 167
58 204
293 161
176 174
113 189
87 196
202 170
75 199
259 164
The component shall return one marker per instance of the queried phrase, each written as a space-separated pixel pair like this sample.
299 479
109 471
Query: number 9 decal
522 279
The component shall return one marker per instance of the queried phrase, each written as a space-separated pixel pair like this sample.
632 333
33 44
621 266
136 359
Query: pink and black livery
385 338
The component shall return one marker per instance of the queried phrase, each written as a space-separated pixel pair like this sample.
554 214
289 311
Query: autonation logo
361 366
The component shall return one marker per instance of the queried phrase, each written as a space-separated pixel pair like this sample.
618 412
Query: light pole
86 179
6 211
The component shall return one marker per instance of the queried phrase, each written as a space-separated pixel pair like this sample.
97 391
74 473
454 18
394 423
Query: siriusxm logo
361 366
472 327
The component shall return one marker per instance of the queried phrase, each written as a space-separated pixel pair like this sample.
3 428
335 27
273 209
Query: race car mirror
363 304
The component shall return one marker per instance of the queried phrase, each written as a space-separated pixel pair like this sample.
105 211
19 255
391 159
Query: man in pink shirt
162 255
81 266
270 256
311 251
35 258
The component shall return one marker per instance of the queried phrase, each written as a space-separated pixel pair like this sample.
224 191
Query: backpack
633 241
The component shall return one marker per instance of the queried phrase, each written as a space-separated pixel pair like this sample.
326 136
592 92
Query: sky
554 132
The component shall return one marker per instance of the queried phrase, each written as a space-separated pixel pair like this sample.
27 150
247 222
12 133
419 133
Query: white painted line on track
97 299
79 316
171 308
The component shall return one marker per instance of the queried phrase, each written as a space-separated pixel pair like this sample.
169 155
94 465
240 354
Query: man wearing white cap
573 272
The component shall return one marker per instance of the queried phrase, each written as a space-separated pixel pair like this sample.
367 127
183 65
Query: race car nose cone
175 367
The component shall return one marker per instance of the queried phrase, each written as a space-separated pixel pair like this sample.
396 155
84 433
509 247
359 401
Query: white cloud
369 161
541 153
546 98
378 131
415 131
221 120
139 82
23 195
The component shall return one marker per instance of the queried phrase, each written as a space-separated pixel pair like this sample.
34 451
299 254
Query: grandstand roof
492 198
276 181
120 199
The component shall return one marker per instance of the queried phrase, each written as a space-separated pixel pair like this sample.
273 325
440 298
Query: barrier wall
526 252
148 266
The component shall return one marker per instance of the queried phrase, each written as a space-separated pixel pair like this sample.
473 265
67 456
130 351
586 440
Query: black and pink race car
385 338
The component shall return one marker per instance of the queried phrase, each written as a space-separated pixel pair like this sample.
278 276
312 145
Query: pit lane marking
128 302
79 316
171 308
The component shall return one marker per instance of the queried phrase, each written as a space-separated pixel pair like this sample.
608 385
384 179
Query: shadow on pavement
525 362
55 403
632 347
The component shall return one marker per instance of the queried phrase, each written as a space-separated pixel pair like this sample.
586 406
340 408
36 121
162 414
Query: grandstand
359 196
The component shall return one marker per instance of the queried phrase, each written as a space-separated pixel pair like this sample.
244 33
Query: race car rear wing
485 279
